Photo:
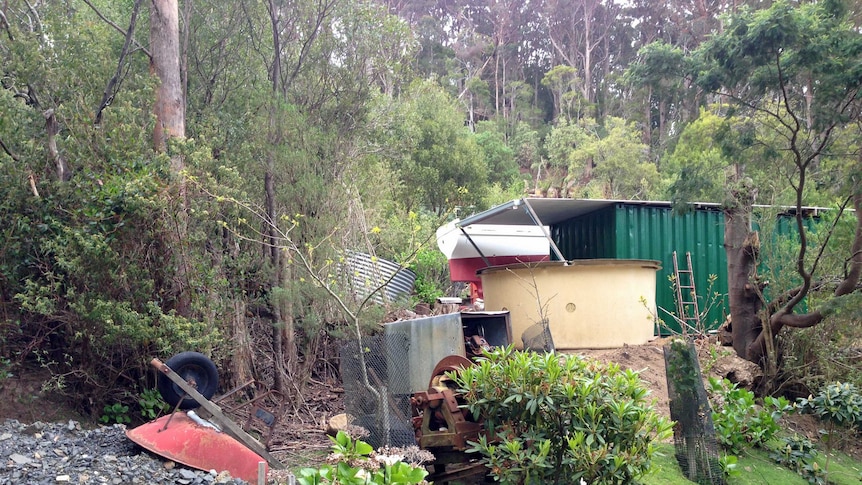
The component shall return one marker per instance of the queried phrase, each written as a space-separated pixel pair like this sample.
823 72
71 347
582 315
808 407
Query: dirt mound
648 360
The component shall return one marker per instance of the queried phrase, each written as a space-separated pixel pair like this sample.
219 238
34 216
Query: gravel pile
57 453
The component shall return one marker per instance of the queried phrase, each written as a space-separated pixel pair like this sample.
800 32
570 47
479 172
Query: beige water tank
590 303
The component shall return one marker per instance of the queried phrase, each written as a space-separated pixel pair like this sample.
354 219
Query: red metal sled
198 445
189 443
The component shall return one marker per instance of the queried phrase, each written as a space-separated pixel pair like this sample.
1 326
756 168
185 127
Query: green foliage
356 463
152 405
658 67
441 164
770 61
609 156
799 454
838 404
739 421
729 465
499 157
560 417
5 369
115 413
430 267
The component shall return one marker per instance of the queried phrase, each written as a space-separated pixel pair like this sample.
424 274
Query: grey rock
20 459
98 456
187 474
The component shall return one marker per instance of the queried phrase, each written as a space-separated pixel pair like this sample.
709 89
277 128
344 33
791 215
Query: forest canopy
194 182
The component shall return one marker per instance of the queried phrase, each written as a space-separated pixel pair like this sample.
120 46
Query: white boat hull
498 244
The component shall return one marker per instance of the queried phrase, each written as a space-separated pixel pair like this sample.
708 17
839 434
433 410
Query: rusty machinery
441 423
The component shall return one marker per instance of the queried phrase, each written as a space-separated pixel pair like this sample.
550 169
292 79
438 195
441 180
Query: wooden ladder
686 294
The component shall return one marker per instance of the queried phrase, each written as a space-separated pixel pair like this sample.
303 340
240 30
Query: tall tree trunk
53 129
647 138
741 246
283 345
169 110
165 64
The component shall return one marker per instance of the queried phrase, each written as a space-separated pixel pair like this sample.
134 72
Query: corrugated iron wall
589 236
366 273
636 231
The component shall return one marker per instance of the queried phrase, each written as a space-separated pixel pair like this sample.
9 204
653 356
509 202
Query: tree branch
35 14
5 22
852 279
115 81
53 128
117 27
6 149
804 320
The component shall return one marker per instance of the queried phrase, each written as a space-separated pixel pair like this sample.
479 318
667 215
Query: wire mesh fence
695 445
368 371
537 337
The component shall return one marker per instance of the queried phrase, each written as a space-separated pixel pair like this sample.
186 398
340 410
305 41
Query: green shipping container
640 231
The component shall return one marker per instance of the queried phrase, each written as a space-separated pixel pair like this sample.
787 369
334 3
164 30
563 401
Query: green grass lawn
755 467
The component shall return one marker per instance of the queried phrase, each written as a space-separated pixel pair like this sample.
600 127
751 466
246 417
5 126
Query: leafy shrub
729 465
560 418
152 405
115 413
355 462
840 406
837 403
739 421
798 454
431 275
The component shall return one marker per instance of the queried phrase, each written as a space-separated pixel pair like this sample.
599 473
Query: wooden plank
227 424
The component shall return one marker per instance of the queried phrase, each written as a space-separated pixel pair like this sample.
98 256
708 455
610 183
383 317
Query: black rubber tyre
191 366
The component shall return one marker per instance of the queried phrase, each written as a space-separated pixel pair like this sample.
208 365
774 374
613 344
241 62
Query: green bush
798 454
840 406
115 413
739 421
152 405
432 276
355 462
560 418
837 403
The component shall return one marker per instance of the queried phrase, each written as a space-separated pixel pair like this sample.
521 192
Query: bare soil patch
25 400
647 360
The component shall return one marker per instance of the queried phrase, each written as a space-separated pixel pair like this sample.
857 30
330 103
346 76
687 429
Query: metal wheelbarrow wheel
194 368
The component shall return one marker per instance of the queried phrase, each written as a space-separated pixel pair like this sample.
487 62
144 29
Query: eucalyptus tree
657 72
771 65
601 161
324 65
579 31
441 165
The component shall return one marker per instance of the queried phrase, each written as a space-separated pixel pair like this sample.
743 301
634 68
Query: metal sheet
367 273
196 446
415 346
658 232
